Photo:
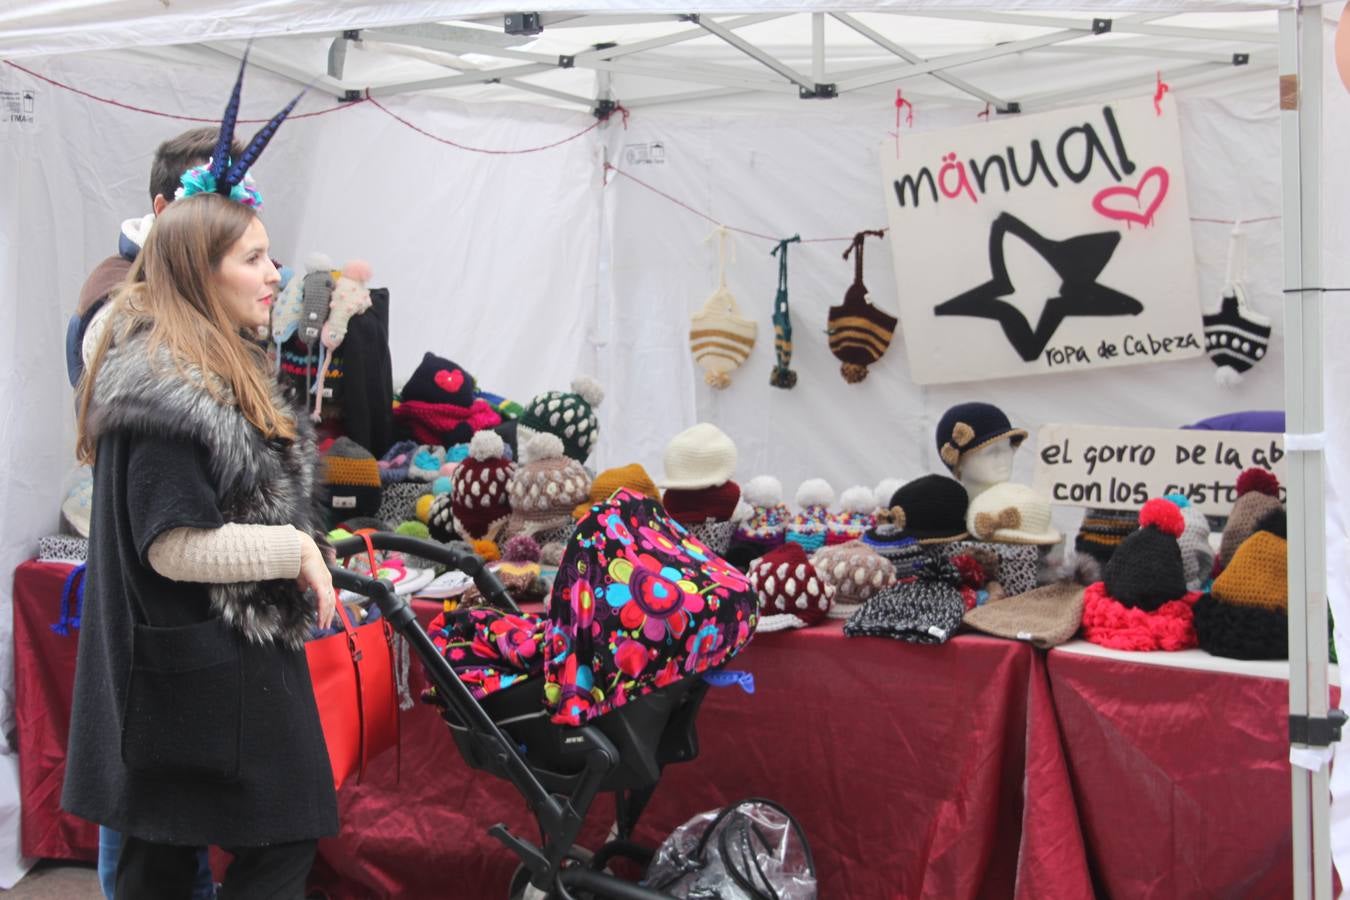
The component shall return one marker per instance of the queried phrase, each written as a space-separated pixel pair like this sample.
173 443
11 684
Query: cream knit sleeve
230 553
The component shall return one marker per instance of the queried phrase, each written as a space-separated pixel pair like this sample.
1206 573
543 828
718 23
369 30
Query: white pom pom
589 389
1227 376
857 499
763 490
318 262
815 492
541 445
885 490
742 512
486 445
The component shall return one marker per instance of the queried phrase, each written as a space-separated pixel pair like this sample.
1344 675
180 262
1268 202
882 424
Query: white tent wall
811 168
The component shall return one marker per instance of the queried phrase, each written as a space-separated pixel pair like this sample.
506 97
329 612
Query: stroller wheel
521 889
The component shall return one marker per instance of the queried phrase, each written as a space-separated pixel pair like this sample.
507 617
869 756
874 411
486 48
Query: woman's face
247 279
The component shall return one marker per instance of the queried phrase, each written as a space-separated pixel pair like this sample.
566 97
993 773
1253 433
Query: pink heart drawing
1124 202
449 381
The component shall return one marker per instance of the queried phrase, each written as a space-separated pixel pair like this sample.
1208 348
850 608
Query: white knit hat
699 457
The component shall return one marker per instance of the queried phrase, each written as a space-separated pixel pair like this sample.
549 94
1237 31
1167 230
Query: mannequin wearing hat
976 442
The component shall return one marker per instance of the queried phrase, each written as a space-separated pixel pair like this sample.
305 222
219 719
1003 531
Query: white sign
1122 468
18 107
1045 243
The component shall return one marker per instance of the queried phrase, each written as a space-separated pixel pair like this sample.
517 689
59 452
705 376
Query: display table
978 768
44 674
1180 768
904 764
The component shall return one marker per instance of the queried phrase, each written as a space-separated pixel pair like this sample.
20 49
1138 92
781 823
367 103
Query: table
905 765
1180 770
979 768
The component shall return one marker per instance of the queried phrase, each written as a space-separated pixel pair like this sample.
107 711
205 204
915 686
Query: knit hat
478 498
1047 616
920 612
853 518
931 509
808 526
884 491
1142 602
353 479
1013 514
856 571
1102 531
544 491
695 506
426 462
699 457
765 527
967 427
791 592
714 535
1258 496
1197 557
858 331
631 476
905 554
438 380
568 414
519 570
441 520
1246 613
1236 336
396 461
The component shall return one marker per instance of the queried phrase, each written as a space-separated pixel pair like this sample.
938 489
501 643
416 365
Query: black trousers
149 871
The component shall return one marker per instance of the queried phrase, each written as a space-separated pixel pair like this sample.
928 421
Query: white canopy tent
530 267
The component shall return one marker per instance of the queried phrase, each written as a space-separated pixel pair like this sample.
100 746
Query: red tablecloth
905 765
1181 776
44 673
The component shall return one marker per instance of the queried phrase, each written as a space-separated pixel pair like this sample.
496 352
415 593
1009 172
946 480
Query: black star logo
1078 261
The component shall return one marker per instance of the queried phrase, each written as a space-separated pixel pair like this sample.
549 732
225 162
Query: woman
194 720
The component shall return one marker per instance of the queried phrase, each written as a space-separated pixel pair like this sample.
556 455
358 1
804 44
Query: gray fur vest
257 481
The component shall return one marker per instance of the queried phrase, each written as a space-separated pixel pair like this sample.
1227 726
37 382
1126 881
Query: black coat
193 719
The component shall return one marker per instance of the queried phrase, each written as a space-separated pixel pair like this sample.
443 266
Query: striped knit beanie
353 479
1258 496
1236 336
859 333
1103 530
853 518
720 337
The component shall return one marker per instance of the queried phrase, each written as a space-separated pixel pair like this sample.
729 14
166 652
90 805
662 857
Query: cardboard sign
1122 468
1046 243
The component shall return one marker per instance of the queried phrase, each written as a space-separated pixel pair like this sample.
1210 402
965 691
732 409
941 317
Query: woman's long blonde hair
170 292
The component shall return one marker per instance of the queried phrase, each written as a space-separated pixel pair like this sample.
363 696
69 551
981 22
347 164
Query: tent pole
818 48
1301 120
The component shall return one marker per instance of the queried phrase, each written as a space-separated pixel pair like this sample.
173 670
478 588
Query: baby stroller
629 566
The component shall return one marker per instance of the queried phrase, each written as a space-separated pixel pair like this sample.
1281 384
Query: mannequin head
983 468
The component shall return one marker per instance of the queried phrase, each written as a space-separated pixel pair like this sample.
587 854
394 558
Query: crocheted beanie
1146 571
441 520
1197 558
931 509
919 612
546 487
1246 613
518 569
632 476
769 516
1103 530
791 592
1258 496
808 526
1109 623
906 555
438 380
353 479
1046 617
568 414
695 506
853 518
478 493
856 572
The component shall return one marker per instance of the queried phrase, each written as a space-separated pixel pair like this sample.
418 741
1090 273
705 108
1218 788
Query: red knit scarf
429 422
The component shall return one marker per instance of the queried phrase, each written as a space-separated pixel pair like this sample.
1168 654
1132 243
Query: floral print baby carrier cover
639 603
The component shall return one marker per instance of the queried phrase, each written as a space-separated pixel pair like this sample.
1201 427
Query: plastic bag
752 850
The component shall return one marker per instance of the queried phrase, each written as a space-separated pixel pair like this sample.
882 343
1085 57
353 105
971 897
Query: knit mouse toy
350 297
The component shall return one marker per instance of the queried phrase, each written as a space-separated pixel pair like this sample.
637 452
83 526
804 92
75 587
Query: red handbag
354 688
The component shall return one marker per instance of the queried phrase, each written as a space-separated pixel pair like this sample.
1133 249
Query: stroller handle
446 554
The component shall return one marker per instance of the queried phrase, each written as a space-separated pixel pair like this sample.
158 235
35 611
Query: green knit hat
569 415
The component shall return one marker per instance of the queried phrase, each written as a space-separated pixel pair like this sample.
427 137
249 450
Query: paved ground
57 881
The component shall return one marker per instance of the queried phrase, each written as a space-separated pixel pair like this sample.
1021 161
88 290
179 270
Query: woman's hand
314 575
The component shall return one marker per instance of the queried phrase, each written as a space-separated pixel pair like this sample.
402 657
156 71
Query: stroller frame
558 801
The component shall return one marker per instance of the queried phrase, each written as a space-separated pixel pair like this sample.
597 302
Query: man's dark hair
176 155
